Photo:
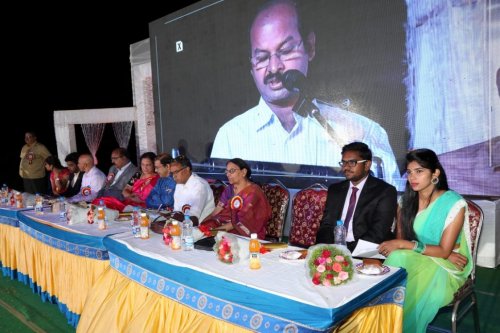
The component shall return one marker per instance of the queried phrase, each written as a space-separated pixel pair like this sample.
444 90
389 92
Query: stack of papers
366 249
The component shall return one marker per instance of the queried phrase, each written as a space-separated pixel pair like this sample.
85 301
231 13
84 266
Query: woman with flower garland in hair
433 240
243 208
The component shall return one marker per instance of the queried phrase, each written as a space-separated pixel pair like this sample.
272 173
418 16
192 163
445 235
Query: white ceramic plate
372 270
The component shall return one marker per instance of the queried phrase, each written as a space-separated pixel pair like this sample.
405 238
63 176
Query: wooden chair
279 198
307 212
466 295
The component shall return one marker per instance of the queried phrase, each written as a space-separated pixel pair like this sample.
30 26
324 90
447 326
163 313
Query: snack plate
359 268
292 255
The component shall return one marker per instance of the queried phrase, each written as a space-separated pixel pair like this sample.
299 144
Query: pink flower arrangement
329 266
224 251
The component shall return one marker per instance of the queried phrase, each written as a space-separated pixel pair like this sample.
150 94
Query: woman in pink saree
243 208
137 189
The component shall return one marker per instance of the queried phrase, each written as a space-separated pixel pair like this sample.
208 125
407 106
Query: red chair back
307 212
217 187
279 198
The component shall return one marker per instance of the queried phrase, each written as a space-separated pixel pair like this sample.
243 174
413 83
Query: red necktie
350 208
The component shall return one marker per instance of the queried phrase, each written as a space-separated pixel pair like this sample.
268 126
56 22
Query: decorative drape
447 69
122 132
93 136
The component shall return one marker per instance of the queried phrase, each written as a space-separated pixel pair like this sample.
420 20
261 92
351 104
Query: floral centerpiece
329 265
224 250
231 249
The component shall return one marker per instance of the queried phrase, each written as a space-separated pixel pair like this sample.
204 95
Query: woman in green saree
433 240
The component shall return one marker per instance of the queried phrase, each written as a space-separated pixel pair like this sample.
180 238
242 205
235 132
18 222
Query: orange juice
254 248
144 226
175 232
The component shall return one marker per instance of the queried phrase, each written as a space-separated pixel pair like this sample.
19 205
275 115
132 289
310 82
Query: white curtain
122 133
447 71
93 136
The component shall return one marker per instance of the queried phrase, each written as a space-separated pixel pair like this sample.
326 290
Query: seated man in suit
75 175
119 174
366 204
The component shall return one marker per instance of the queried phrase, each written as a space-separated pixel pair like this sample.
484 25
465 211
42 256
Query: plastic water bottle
101 218
187 233
339 233
254 248
144 228
38 204
62 209
136 223
5 194
175 232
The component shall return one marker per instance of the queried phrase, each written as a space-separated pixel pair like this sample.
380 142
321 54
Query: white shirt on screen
257 135
197 194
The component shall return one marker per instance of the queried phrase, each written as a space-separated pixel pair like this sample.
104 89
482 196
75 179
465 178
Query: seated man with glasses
366 204
191 191
281 40
119 174
243 208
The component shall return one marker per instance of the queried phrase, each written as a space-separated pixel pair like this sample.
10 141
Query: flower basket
329 265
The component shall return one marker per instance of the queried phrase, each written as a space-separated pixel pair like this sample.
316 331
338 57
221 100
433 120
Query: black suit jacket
75 189
373 217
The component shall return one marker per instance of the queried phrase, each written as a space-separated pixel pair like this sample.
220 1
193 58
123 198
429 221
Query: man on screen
272 131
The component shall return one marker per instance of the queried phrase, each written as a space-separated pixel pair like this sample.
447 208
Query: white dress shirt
257 135
350 234
197 194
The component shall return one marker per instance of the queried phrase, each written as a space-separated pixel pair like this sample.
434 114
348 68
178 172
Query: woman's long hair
427 159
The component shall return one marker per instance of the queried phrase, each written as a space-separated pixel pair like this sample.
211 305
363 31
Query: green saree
432 281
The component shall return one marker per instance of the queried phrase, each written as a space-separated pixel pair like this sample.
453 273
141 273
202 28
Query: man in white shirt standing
92 181
272 131
191 191
119 174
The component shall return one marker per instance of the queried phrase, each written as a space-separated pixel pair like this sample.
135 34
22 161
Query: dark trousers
36 185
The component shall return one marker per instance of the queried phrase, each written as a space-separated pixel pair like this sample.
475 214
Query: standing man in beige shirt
32 166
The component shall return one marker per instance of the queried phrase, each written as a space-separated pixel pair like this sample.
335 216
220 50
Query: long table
59 262
108 281
151 288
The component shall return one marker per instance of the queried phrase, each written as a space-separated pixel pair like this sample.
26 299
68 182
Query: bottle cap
143 214
340 222
253 236
175 222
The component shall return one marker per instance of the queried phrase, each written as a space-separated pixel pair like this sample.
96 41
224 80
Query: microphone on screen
295 81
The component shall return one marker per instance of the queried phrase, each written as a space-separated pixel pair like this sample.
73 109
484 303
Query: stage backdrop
424 72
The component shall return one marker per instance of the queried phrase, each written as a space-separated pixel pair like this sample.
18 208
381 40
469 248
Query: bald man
93 179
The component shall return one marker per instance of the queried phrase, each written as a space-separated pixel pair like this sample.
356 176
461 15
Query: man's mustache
273 76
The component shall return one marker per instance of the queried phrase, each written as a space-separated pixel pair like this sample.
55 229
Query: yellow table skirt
9 245
382 318
61 274
118 304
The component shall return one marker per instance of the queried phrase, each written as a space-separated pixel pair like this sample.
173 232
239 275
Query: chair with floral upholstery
279 197
307 212
217 186
466 295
